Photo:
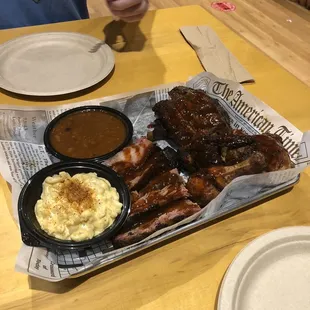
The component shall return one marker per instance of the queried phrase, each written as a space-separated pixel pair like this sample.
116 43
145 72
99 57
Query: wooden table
187 273
279 28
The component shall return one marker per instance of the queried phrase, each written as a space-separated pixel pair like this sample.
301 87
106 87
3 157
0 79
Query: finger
133 11
120 5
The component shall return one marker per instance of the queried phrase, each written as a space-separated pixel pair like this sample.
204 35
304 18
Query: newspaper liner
22 153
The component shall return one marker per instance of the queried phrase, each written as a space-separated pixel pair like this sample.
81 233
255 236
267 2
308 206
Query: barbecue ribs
142 161
158 192
189 112
163 180
173 213
161 191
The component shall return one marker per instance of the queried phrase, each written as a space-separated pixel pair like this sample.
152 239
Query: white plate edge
110 67
254 246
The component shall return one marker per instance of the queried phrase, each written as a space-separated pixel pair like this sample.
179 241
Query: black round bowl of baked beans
93 133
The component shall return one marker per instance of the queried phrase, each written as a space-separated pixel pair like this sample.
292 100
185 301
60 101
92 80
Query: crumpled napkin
213 54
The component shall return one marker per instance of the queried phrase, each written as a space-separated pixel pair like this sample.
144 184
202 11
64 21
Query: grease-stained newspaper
22 153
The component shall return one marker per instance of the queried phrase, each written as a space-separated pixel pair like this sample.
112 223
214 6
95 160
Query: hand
128 10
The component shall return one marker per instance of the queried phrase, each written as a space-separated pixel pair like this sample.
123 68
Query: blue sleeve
21 13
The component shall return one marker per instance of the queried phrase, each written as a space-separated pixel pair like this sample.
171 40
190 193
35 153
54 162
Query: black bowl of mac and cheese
72 206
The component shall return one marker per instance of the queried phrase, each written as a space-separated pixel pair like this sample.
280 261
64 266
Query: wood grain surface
279 28
187 273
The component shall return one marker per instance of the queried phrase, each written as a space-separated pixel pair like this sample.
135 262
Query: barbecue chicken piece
235 156
266 154
201 188
276 156
208 151
223 175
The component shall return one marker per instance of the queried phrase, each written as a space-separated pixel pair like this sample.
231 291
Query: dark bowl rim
34 236
119 114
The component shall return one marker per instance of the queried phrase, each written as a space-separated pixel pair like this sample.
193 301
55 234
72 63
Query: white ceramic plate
271 273
53 63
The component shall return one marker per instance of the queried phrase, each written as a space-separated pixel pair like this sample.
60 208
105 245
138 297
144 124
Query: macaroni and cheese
77 208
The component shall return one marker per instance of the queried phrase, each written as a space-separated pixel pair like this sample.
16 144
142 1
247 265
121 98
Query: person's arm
128 10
